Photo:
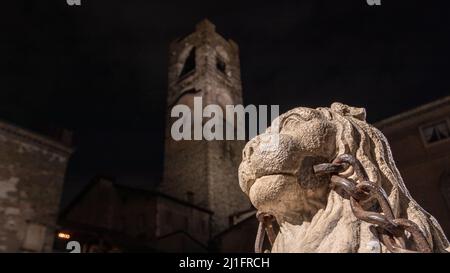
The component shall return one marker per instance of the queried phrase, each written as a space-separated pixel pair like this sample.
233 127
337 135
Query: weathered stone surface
199 171
32 169
313 218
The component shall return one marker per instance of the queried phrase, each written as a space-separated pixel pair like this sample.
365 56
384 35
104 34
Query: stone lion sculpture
311 216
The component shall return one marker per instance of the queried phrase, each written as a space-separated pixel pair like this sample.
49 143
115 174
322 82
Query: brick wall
32 171
206 169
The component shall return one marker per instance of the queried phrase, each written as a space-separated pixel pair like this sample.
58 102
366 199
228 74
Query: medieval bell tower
204 173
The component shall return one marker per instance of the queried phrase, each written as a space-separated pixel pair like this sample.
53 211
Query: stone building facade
32 169
107 217
204 64
420 143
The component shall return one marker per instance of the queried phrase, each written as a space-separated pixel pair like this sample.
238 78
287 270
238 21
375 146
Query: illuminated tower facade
204 173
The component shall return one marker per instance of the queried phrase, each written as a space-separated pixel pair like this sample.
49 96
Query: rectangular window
436 132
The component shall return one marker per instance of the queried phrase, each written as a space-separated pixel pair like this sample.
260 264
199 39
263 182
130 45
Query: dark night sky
100 69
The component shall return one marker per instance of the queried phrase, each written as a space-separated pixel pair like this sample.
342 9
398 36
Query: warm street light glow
63 235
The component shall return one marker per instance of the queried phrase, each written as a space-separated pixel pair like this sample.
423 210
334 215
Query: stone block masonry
204 64
32 169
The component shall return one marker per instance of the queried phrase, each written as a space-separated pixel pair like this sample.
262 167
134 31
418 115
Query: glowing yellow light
63 235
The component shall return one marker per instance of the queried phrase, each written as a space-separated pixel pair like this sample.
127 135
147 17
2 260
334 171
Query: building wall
97 207
142 216
32 171
137 216
240 238
105 206
199 171
174 218
423 166
226 197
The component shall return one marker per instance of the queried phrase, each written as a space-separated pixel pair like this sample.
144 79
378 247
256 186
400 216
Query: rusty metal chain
265 227
362 193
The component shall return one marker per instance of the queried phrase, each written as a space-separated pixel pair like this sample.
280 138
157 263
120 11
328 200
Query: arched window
189 64
220 65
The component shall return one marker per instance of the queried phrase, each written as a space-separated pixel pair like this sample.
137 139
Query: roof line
97 179
158 193
228 229
239 213
415 111
34 137
65 211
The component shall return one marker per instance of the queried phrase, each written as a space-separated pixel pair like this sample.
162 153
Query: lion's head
312 217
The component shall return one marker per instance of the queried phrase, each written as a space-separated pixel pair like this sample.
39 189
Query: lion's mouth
291 195
303 173
266 176
282 181
283 196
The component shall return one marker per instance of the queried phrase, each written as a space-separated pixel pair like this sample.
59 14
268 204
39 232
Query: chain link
360 191
265 227
363 195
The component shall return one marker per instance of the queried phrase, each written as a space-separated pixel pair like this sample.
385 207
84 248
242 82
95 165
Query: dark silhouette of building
109 217
32 169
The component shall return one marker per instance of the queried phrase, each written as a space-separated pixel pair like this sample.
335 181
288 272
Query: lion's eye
290 122
298 118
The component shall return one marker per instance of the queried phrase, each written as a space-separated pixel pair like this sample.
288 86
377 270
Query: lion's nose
248 150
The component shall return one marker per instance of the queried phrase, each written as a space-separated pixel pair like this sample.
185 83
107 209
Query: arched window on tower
189 63
445 187
220 65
